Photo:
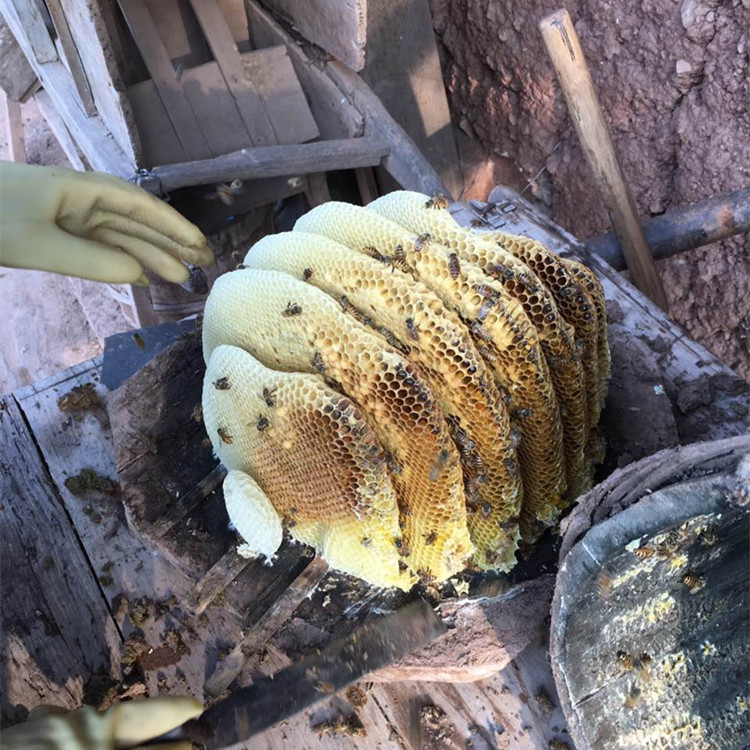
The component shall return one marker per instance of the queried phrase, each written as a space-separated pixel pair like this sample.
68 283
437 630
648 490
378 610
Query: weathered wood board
16 75
339 27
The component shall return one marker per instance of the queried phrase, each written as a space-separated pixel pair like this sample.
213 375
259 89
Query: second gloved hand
92 225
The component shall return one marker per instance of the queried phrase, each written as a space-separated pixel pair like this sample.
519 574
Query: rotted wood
684 228
652 609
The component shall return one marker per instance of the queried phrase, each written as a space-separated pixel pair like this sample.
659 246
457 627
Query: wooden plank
367 185
180 31
338 26
16 75
273 75
317 191
48 590
70 441
274 161
159 142
405 163
252 111
97 56
60 131
91 135
236 18
72 59
408 81
334 114
11 116
567 56
162 72
40 42
215 109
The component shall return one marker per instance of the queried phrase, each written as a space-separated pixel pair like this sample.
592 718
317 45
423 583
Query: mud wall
673 77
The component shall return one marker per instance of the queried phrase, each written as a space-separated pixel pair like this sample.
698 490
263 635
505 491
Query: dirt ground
43 326
673 77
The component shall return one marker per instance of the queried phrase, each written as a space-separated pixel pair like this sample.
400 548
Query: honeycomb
502 333
435 340
313 456
402 394
291 326
556 336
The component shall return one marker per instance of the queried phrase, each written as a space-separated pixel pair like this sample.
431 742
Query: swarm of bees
423 396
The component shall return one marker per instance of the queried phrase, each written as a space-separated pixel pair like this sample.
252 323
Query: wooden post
565 51
11 114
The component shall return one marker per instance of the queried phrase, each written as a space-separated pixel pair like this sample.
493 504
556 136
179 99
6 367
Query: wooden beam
216 30
273 161
60 131
565 51
11 113
165 79
16 75
40 42
70 51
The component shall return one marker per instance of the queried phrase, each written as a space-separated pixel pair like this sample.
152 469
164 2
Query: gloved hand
92 225
122 726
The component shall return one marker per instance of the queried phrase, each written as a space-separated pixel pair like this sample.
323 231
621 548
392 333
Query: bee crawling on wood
222 384
544 702
224 435
262 423
306 274
292 309
625 660
422 241
454 267
227 193
438 201
411 329
692 580
644 552
269 396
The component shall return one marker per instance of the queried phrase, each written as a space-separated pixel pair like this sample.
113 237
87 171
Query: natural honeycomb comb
314 458
419 214
437 342
290 325
501 330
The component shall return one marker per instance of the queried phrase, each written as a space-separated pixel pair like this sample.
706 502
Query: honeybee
544 702
431 538
438 201
292 309
411 329
306 274
374 253
393 341
481 332
422 241
486 510
625 660
227 193
206 443
224 435
485 309
634 697
400 253
317 363
558 745
486 353
393 465
365 541
454 267
644 552
484 291
402 547
139 340
692 580
262 423
198 413
604 586
500 270
269 395
474 223
222 384
439 465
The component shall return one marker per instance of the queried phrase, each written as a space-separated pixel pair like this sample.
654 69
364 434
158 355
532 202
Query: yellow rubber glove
92 225
122 726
